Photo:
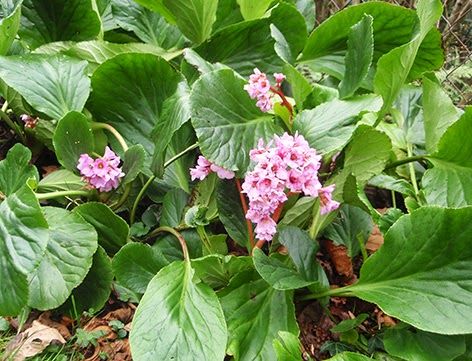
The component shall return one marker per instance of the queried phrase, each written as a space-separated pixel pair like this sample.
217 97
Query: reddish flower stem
259 244
285 102
278 212
245 209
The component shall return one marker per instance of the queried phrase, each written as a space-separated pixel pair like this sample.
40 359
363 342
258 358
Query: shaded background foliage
456 29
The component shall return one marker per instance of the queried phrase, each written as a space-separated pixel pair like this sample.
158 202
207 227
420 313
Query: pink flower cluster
259 88
290 165
102 173
205 167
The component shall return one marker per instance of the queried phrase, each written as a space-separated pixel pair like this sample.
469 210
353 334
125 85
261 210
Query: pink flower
259 88
266 229
221 172
202 169
326 201
205 167
289 165
85 165
279 78
102 173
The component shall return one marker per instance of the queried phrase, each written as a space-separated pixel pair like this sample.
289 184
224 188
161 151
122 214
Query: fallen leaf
45 319
375 240
32 342
342 262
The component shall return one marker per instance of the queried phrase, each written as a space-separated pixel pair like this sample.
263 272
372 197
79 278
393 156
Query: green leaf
173 208
393 68
194 18
351 226
112 230
16 169
367 153
60 180
253 9
46 21
329 126
350 324
10 13
133 163
468 352
231 213
53 85
439 112
73 137
392 27
178 318
175 112
250 44
149 26
24 235
255 313
129 92
217 270
302 250
300 86
449 182
394 184
67 260
349 356
170 247
136 264
277 271
299 214
97 52
425 261
94 291
360 50
229 125
423 346
104 10
287 347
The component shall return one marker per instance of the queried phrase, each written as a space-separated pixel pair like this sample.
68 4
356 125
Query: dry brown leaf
32 342
375 240
342 262
48 169
45 319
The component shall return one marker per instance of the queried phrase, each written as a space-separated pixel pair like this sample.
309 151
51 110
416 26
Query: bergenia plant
234 180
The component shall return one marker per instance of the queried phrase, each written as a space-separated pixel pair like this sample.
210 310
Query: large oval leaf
329 126
255 313
73 136
112 230
423 346
421 274
68 258
92 294
46 21
149 26
136 264
258 43
228 123
53 85
178 319
23 238
393 26
129 91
